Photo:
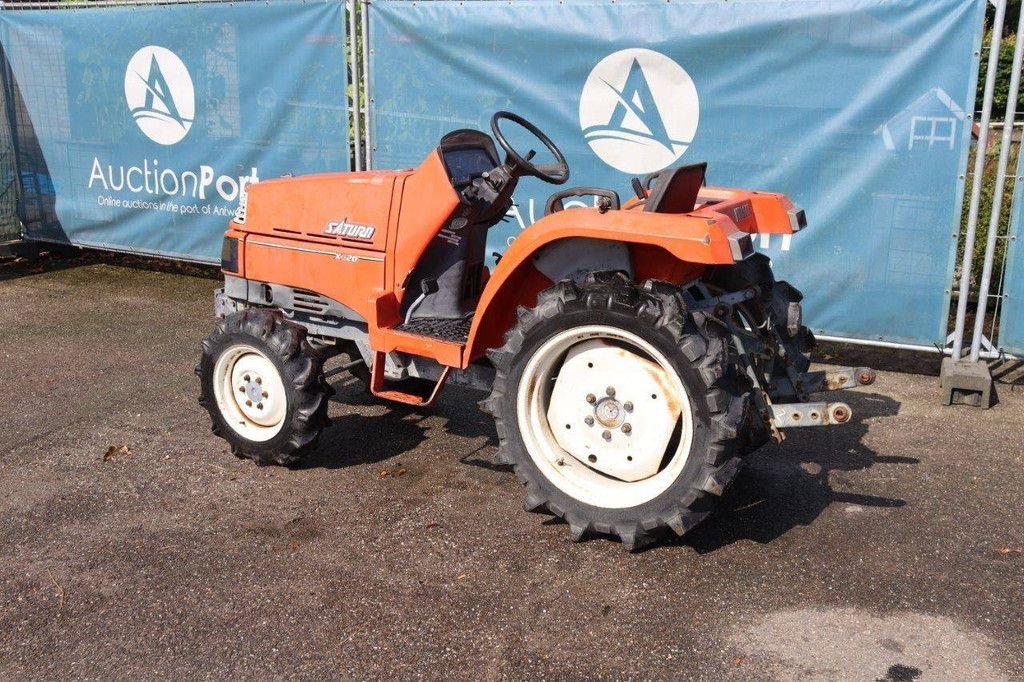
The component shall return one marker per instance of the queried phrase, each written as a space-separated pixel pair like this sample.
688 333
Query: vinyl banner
858 109
138 127
1011 327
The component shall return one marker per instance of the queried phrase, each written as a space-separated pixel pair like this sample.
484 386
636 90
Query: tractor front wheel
264 387
618 408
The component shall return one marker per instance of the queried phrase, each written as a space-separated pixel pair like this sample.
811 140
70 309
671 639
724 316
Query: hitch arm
819 382
793 415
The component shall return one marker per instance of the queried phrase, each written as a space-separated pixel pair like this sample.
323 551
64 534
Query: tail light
741 245
797 218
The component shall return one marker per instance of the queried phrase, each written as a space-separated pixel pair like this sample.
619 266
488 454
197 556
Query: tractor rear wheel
264 387
618 408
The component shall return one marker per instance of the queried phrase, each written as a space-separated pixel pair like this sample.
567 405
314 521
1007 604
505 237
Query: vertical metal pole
367 95
997 202
979 173
354 66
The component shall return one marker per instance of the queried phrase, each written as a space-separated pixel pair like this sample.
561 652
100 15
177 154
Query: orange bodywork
290 236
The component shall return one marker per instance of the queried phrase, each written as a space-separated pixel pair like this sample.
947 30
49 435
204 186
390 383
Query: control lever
638 189
428 286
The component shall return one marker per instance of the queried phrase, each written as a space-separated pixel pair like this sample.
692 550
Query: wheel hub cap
610 413
253 390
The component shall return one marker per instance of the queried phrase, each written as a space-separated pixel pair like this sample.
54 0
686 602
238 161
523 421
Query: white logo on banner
160 94
639 111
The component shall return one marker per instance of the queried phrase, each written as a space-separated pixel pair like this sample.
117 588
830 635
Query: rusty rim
602 413
249 393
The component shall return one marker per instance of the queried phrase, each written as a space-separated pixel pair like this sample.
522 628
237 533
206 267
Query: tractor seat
676 189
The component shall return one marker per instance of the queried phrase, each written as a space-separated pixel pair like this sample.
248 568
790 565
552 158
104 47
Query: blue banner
858 109
1011 326
138 127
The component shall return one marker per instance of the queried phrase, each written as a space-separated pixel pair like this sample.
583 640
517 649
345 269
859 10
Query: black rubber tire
301 370
656 312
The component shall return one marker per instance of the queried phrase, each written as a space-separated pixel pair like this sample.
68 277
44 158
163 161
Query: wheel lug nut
246 377
628 407
627 428
591 398
259 380
259 406
265 394
607 435
241 389
610 391
589 421
248 403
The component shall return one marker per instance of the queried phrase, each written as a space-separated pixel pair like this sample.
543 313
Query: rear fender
673 248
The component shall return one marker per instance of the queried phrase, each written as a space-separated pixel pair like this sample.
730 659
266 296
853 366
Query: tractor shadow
781 487
355 438
394 429
789 485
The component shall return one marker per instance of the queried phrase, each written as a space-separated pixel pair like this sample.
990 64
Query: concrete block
966 383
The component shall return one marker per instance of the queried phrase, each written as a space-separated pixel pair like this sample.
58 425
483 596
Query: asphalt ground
891 548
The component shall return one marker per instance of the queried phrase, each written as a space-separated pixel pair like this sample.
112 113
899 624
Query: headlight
229 255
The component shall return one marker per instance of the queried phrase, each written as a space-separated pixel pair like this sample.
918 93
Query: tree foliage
1003 81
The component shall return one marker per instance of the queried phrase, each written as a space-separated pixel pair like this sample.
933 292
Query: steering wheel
556 173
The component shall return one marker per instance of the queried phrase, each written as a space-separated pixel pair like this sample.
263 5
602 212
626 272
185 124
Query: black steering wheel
556 173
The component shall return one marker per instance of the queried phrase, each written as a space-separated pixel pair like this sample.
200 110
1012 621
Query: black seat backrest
676 189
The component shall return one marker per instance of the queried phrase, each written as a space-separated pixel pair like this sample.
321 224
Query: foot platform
379 388
455 331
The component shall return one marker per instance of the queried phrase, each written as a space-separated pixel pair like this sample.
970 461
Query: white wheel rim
250 393
555 412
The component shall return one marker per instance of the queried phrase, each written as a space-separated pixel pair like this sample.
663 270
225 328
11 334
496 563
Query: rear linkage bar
767 344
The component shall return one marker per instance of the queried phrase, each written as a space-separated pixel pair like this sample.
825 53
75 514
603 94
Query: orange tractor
634 353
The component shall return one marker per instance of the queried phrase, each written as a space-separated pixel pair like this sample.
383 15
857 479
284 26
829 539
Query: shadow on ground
789 485
780 488
356 438
57 257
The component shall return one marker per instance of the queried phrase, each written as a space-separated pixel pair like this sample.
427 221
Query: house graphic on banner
932 121
931 126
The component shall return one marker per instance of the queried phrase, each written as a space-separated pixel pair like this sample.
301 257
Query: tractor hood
349 208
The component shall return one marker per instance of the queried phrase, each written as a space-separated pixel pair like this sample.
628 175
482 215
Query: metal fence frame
984 293
360 102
